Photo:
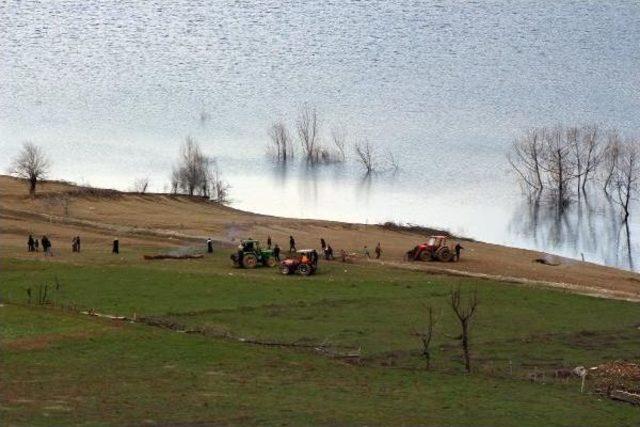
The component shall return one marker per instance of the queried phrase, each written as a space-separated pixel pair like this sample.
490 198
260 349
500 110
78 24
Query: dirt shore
62 211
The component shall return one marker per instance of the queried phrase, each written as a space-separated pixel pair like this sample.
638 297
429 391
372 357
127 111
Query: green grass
60 367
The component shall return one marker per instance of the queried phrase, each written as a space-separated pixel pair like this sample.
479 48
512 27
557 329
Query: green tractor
250 255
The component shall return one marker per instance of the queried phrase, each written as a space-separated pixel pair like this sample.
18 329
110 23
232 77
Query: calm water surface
110 89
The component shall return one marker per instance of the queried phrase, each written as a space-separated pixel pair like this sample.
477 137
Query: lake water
111 89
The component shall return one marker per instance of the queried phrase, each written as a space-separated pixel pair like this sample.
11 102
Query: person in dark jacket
46 246
292 244
276 252
378 250
209 245
116 247
323 245
269 242
77 243
458 248
30 244
328 253
36 245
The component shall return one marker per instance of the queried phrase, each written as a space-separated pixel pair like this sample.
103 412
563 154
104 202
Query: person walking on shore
74 245
269 241
31 244
276 252
292 244
209 245
323 244
36 245
378 250
116 247
77 243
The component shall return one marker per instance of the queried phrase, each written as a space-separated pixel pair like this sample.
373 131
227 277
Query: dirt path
62 211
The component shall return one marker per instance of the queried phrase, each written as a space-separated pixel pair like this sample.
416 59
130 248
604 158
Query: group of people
75 244
377 251
33 245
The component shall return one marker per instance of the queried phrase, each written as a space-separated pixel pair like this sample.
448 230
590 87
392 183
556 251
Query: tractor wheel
271 262
285 270
444 254
250 261
304 269
425 256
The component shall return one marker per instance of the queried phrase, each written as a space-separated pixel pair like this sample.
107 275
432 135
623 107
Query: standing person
209 245
77 243
328 254
269 242
378 250
46 246
323 244
292 244
74 245
30 244
276 252
116 247
366 252
36 245
458 248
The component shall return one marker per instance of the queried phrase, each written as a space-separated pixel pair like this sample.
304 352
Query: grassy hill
198 342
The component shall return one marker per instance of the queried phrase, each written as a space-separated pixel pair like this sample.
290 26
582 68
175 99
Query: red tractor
436 248
303 262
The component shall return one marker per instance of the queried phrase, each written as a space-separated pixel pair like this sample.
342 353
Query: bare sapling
610 156
426 335
464 311
31 164
141 185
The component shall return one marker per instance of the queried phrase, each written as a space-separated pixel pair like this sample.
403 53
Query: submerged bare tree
366 155
464 311
308 129
558 165
339 139
526 156
610 157
626 176
31 164
280 141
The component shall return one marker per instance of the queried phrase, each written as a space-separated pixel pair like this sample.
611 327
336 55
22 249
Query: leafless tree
218 187
366 155
308 129
464 311
393 161
190 174
558 165
610 157
31 164
592 149
626 176
339 139
426 335
280 141
526 156
140 185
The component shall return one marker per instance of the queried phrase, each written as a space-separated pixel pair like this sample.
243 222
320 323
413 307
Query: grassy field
62 367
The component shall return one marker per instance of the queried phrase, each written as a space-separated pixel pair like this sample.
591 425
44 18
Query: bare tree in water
339 139
366 155
281 142
610 157
558 165
308 129
526 156
464 311
31 164
626 176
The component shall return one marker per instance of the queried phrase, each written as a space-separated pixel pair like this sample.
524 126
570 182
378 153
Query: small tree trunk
465 346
